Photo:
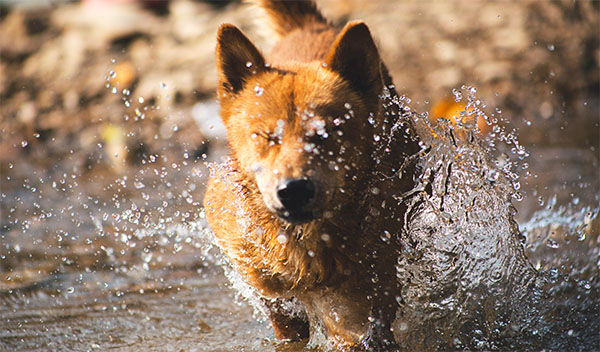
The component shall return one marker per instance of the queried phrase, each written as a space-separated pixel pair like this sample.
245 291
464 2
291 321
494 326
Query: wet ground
91 261
85 271
102 240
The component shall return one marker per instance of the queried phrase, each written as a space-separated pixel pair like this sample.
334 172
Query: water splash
67 231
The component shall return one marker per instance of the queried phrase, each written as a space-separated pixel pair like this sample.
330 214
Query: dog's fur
318 109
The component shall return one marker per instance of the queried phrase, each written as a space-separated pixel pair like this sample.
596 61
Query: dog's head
303 131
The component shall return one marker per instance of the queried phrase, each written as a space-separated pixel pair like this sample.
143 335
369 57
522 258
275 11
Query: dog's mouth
297 216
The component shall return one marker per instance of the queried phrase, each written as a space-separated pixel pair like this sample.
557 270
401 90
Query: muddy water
90 261
94 261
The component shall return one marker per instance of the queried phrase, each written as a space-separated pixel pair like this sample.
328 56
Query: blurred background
108 114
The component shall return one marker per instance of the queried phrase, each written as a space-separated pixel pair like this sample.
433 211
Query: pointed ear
354 56
237 59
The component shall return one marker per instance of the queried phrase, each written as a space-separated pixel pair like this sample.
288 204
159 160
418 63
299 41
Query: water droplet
518 196
541 200
403 326
552 243
386 236
457 94
551 47
141 100
24 144
259 91
282 238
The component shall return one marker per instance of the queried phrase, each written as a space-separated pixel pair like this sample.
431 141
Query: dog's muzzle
296 196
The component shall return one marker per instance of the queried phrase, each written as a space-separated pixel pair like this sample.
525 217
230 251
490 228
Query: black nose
294 194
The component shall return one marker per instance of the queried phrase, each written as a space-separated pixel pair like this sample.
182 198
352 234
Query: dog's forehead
310 92
302 96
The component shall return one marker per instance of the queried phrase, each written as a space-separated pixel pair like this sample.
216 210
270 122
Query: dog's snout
294 194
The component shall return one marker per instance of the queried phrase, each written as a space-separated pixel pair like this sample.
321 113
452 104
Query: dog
311 207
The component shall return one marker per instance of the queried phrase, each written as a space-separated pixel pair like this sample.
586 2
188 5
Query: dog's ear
354 56
237 59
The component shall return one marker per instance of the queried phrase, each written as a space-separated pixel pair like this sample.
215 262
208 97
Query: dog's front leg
288 318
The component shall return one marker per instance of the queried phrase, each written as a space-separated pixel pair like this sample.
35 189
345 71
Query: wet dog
311 206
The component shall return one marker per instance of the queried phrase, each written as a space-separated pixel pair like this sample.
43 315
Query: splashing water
92 260
459 254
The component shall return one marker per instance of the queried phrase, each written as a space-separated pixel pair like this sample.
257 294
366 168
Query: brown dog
298 209
307 208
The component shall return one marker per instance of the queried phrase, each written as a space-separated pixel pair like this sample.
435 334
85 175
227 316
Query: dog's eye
271 138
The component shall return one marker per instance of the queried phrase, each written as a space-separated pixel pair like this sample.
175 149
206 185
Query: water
459 257
91 261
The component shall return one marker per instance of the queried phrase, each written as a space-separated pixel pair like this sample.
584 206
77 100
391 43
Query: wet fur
341 265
